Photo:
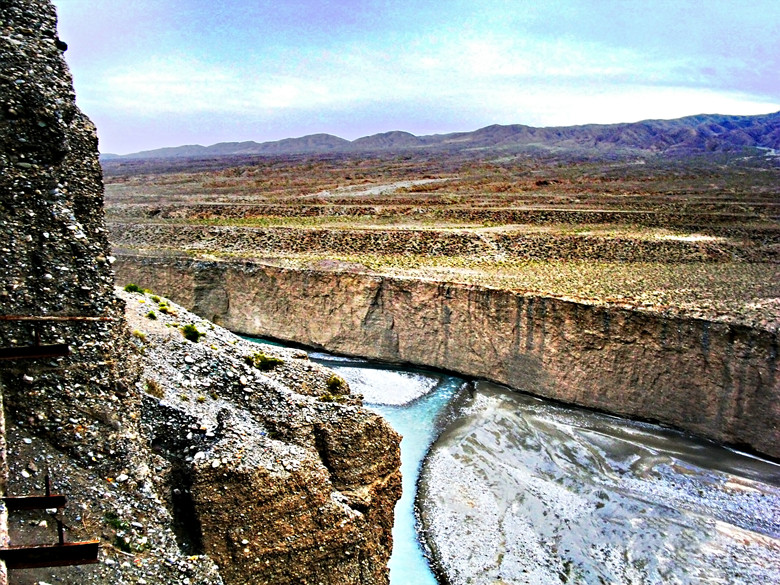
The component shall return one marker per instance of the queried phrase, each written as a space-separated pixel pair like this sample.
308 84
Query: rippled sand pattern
521 491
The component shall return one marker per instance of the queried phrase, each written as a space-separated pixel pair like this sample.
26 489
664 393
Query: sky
155 73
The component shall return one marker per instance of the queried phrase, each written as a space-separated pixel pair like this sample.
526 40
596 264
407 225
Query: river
516 489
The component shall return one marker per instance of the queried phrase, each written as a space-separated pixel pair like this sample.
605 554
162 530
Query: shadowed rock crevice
186 523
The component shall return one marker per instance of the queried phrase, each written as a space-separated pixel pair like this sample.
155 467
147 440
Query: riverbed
521 490
515 489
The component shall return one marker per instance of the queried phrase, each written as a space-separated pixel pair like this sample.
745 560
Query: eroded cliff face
55 261
715 379
273 470
187 460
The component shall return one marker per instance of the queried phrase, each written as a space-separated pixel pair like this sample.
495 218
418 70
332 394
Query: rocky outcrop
712 378
275 472
192 463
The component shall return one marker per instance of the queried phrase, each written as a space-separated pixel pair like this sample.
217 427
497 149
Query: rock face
55 263
288 479
715 379
206 464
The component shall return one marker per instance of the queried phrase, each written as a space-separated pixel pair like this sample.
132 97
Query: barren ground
697 236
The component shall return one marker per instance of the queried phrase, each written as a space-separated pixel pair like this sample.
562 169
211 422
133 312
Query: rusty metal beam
29 352
55 318
15 503
50 555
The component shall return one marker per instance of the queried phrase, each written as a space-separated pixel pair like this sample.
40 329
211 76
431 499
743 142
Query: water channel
520 490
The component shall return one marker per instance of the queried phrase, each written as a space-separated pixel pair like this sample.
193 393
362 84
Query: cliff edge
210 461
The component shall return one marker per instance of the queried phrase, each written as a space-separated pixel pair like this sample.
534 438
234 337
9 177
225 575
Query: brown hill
679 137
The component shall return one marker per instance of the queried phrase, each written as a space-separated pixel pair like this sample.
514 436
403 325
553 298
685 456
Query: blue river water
415 403
519 490
419 421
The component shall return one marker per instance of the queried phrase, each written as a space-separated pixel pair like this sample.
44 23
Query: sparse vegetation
327 397
263 362
153 388
336 385
133 288
115 522
191 333
138 334
151 315
694 234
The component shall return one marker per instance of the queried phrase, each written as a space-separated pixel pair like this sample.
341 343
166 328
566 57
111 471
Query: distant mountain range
689 135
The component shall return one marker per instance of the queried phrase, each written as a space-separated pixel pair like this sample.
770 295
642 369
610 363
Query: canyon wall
714 379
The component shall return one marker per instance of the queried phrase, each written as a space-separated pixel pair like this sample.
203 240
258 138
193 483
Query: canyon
590 272
715 379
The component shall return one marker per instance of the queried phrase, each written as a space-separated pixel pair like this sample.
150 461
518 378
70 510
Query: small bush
166 309
133 288
336 384
139 334
263 362
327 397
153 388
191 333
156 299
151 315
115 522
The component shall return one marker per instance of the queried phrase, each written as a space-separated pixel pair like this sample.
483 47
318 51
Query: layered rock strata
712 378
515 243
191 462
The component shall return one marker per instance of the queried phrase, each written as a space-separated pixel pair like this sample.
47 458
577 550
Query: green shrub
263 362
151 315
191 333
133 288
336 384
113 520
156 299
139 334
327 397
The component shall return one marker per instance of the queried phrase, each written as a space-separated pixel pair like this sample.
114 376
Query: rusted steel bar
55 318
28 352
3 487
16 503
50 555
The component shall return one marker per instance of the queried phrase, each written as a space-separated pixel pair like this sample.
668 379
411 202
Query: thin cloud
357 66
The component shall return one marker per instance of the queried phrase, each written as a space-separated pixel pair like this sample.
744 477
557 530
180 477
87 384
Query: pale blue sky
154 73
